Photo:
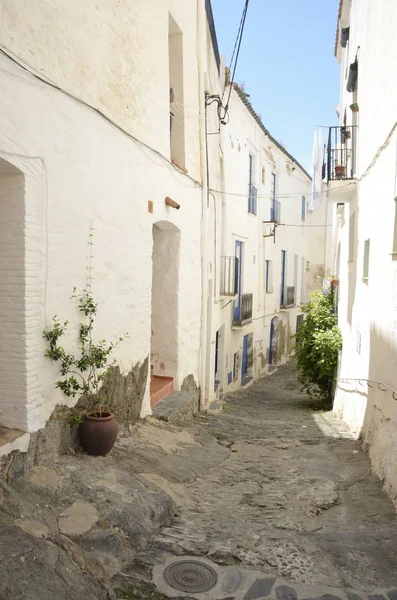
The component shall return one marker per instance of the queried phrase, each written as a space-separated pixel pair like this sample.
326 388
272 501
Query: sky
287 64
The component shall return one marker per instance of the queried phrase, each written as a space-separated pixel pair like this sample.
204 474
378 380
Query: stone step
177 407
160 387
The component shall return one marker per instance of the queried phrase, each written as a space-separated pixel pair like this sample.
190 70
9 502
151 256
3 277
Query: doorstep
160 387
13 439
177 407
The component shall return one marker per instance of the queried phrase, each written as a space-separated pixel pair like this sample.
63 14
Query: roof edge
243 97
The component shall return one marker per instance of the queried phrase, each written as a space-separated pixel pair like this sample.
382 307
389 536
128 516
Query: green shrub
318 343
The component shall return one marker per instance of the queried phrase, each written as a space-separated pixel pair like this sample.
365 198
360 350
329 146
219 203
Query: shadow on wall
352 269
370 409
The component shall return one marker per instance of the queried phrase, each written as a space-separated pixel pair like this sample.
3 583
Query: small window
252 191
263 176
303 209
352 234
269 276
394 251
366 259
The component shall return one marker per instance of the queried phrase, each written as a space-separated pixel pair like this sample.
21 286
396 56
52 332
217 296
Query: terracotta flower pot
335 282
98 433
340 171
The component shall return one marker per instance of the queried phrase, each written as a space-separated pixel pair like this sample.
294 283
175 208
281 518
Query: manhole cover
190 576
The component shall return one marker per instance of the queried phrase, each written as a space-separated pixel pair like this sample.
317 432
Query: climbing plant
318 343
82 373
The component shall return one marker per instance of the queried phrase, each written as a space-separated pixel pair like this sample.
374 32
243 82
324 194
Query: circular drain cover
190 576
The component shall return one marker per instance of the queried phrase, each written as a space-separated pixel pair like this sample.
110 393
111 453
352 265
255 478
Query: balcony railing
252 199
245 311
287 296
275 211
340 154
229 275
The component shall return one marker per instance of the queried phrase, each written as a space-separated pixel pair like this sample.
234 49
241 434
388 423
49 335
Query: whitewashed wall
368 308
77 167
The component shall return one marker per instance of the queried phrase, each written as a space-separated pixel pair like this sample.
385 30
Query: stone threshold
13 439
177 407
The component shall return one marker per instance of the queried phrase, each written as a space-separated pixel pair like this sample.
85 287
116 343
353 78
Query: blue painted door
283 263
244 365
237 302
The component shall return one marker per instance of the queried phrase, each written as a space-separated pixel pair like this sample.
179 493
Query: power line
236 51
283 196
29 70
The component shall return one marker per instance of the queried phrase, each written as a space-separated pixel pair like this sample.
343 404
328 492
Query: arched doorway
13 376
273 341
164 321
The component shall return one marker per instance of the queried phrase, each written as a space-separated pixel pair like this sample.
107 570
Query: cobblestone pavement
273 497
293 498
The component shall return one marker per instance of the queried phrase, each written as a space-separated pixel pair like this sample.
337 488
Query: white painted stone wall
367 311
78 167
242 136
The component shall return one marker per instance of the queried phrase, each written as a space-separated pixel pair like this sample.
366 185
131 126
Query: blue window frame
303 210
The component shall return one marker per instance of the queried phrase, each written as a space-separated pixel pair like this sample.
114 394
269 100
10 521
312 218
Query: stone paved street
273 496
294 498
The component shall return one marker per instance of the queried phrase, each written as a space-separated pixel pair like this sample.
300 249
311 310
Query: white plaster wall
78 168
370 306
112 54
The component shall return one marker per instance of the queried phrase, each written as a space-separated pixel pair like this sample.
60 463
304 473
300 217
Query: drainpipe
204 199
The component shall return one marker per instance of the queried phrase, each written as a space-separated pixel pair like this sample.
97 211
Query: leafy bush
318 342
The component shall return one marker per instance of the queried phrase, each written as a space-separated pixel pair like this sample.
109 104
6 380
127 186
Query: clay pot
98 433
340 171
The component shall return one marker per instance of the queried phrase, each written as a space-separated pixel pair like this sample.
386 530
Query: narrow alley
273 498
294 498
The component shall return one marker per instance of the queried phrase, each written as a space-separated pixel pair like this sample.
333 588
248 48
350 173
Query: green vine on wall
82 373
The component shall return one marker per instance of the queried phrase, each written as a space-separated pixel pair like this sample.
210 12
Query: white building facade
262 261
362 192
99 124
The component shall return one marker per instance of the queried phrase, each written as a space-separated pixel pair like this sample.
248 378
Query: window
303 281
366 259
394 251
176 93
352 233
296 269
252 191
274 205
303 209
263 175
269 276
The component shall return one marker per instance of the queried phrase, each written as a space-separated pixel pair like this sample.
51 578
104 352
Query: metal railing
275 211
340 153
245 313
287 296
229 275
252 199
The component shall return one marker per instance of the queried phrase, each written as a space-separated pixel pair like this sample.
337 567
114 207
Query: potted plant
340 171
334 280
83 374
